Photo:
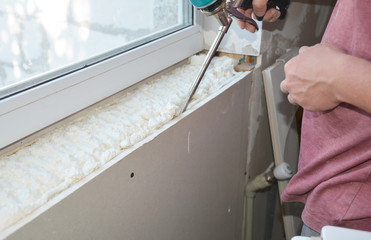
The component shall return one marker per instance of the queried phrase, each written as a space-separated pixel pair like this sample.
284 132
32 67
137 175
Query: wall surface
186 183
304 24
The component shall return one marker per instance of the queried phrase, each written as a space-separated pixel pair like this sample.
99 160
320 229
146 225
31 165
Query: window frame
30 111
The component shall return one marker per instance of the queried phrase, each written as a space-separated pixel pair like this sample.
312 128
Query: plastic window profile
30 111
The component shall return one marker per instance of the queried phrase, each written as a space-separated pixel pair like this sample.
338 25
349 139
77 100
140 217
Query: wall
304 25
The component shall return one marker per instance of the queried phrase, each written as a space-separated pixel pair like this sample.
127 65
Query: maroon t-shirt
334 176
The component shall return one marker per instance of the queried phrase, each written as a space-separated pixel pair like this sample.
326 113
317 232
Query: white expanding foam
34 174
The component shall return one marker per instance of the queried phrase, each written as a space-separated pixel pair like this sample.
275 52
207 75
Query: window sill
37 108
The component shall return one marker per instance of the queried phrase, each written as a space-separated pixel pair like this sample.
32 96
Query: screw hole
132 175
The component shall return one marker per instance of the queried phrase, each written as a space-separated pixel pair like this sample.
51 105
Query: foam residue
34 174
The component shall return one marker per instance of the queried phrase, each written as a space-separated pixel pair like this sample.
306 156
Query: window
58 57
43 39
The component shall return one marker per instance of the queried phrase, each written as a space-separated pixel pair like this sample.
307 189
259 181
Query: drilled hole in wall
132 175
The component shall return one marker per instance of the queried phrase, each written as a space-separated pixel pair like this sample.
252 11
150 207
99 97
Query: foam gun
224 11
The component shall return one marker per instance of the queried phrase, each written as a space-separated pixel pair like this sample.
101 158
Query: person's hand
259 10
312 77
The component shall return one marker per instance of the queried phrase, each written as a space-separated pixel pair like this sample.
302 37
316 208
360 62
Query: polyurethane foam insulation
36 173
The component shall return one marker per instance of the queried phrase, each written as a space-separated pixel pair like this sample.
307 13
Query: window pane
43 39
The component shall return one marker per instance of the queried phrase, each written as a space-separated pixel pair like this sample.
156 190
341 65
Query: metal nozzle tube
222 31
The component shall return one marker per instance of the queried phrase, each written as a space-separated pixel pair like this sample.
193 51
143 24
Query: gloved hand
265 10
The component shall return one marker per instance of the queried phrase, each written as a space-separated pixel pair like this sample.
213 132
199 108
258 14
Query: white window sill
33 110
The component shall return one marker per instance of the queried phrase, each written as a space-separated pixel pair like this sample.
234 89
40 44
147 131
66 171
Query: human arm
323 76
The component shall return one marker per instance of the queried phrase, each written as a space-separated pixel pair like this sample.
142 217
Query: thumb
260 7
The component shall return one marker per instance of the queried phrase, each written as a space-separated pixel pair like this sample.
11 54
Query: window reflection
42 39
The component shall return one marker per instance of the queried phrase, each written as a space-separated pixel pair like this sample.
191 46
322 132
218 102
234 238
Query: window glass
43 39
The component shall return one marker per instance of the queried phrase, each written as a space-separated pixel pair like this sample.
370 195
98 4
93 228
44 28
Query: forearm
354 86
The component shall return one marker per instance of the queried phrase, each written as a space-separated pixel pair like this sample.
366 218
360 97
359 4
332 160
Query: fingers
250 28
246 25
284 89
283 86
259 10
271 15
291 100
303 49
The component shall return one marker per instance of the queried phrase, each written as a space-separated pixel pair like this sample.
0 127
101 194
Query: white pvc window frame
30 111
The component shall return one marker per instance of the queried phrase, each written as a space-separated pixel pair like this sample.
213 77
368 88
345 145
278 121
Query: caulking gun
224 10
